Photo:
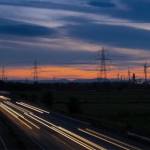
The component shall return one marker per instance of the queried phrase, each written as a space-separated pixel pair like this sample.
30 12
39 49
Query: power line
129 74
3 73
102 65
145 71
35 71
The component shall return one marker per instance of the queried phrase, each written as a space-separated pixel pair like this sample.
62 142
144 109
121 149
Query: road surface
24 126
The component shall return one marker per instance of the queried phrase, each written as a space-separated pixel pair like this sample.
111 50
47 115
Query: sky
64 37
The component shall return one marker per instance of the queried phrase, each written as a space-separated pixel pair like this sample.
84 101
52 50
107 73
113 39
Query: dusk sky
65 35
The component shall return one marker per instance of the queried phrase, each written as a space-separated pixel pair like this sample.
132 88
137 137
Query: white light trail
33 107
108 139
21 116
15 116
17 107
24 105
76 138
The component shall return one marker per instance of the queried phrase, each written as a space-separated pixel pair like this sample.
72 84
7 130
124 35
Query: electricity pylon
102 65
35 71
145 71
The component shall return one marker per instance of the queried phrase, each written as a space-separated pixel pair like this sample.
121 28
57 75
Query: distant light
5 98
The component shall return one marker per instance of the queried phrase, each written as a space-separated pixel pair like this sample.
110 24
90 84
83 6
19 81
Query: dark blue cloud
137 10
84 29
111 35
9 27
77 19
19 57
101 4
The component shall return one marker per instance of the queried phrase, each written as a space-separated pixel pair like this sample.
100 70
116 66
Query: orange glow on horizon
71 72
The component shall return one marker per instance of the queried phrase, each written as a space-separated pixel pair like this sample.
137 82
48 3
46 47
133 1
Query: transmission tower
145 71
129 74
102 66
3 74
118 76
35 71
134 78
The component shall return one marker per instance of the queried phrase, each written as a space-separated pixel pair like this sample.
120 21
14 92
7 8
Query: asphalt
26 127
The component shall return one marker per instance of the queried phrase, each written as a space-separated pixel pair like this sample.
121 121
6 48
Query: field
125 107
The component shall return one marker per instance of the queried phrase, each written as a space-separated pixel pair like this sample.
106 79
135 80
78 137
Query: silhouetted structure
35 71
102 66
129 74
3 73
145 71
134 78
118 76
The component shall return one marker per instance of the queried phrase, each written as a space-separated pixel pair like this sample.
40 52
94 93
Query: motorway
33 128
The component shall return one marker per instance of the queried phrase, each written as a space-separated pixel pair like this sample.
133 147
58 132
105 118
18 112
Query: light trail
15 116
109 139
139 136
43 120
21 116
12 110
74 139
71 133
62 133
17 107
3 143
4 98
29 115
113 139
26 115
30 107
33 107
65 132
81 138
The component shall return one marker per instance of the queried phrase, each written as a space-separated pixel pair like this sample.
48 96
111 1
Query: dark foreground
124 106
113 111
27 127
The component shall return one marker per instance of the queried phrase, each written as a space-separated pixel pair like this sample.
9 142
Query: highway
38 129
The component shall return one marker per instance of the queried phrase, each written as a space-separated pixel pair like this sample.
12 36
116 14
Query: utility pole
35 71
129 74
134 78
118 77
102 66
3 77
121 77
145 71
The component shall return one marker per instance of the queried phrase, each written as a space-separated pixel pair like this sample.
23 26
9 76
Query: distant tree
74 106
23 95
47 99
34 97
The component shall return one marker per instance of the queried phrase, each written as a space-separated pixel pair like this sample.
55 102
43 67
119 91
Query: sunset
74 74
61 32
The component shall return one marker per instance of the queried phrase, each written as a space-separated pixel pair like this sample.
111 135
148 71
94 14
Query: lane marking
72 119
58 131
76 138
81 138
21 116
3 143
17 107
31 106
15 116
139 136
109 141
113 139
37 110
